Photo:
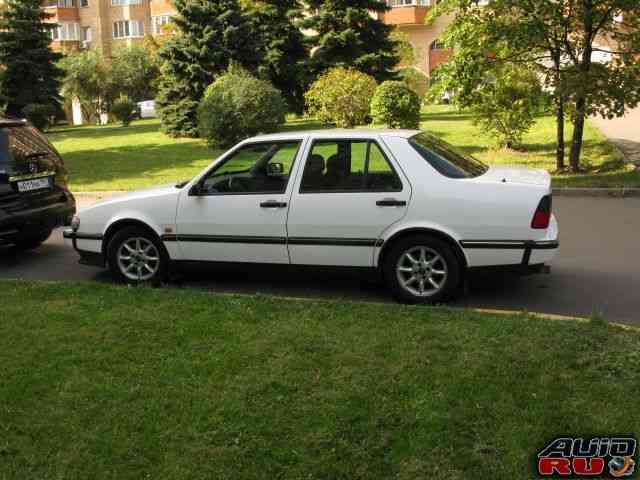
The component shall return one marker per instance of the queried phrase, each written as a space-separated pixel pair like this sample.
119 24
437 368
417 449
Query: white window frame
128 29
158 21
122 3
410 3
66 32
85 34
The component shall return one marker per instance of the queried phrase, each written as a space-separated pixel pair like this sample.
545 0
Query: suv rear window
23 149
445 158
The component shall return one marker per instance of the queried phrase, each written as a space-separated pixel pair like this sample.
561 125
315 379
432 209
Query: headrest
315 164
337 164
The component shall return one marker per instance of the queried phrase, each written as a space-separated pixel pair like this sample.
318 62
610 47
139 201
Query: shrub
237 106
124 110
341 96
39 115
415 79
506 104
395 105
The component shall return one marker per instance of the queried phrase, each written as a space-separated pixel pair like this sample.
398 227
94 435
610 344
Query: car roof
337 133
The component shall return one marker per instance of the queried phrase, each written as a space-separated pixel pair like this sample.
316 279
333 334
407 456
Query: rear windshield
445 158
23 149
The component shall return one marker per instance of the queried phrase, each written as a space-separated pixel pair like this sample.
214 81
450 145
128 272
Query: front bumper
87 257
40 218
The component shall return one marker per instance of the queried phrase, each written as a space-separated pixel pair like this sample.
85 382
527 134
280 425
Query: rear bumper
37 219
87 257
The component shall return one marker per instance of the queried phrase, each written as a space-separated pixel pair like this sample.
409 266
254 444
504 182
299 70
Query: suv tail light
542 215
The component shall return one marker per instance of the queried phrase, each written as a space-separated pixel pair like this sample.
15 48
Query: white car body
487 218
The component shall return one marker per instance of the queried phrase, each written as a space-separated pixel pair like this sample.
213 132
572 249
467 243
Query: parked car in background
34 198
147 109
401 202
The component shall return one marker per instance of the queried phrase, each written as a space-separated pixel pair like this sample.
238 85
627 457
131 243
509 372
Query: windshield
445 158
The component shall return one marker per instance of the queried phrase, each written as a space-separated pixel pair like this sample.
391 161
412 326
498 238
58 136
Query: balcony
407 12
61 10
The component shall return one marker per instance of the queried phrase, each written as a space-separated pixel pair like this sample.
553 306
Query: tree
30 73
557 38
284 51
134 72
87 79
346 34
210 35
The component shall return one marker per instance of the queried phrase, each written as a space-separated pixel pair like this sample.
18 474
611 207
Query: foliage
284 51
237 106
395 105
87 78
341 96
134 72
415 79
39 115
506 103
346 34
124 109
558 40
30 74
403 48
210 35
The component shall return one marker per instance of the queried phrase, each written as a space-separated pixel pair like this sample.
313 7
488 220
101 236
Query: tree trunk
578 131
560 133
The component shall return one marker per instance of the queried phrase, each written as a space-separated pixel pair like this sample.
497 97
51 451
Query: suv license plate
34 184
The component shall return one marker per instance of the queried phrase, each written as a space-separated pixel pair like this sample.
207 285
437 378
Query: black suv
34 198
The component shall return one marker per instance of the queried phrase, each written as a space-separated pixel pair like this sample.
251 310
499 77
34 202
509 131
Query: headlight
75 223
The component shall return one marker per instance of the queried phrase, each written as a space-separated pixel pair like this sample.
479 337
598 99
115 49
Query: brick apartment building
104 24
107 23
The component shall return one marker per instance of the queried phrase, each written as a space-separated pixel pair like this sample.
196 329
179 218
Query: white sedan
400 202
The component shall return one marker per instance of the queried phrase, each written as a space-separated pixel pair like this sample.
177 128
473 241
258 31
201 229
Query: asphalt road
597 269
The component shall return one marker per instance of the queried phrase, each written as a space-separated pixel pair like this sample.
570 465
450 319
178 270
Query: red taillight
542 216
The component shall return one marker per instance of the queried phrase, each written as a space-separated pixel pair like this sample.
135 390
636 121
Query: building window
158 22
438 45
120 3
84 3
66 32
410 3
128 29
85 34
66 3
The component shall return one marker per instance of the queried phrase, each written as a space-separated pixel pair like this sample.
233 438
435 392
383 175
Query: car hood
138 195
517 175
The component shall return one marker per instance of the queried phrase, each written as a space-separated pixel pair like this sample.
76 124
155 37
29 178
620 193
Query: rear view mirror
275 169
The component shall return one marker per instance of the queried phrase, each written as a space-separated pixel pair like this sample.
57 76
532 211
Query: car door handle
273 204
391 202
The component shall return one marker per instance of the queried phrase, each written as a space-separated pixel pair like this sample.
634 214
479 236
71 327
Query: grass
100 381
117 158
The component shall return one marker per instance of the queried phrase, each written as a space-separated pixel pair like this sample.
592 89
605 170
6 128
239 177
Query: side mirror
196 190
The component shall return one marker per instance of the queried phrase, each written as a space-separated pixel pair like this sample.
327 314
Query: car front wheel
422 269
136 256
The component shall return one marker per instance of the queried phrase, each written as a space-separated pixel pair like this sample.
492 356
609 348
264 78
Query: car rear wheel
422 269
29 241
136 256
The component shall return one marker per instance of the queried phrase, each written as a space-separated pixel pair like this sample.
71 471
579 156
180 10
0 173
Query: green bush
395 105
124 110
415 79
237 106
341 96
39 115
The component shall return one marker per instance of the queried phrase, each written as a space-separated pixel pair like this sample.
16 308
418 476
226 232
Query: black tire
117 268
449 282
32 240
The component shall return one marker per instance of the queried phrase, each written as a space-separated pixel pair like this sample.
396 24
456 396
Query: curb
619 192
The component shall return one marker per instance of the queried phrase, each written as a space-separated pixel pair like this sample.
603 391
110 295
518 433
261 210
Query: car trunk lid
517 175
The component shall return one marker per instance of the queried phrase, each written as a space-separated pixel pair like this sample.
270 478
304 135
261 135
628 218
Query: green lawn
100 381
116 158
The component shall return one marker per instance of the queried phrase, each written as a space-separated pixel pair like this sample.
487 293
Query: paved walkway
624 132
